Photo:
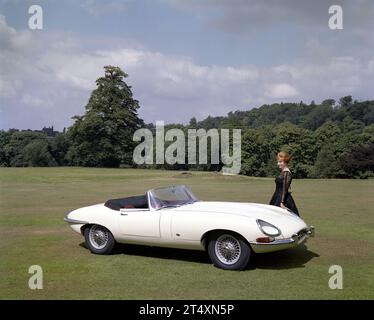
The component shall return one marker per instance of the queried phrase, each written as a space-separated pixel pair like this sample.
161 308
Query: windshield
171 197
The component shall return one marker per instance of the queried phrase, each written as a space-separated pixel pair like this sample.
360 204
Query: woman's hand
283 206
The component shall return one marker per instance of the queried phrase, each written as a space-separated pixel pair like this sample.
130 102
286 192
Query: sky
184 58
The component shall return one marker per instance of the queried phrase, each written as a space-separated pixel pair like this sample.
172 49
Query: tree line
333 139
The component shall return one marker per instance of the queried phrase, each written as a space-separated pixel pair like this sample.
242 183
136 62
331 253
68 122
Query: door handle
123 214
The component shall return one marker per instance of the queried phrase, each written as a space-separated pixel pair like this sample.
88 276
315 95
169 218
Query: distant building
49 131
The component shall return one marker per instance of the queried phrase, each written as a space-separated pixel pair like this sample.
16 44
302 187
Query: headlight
268 228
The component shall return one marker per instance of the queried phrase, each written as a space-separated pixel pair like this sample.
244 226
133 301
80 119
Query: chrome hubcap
98 237
227 249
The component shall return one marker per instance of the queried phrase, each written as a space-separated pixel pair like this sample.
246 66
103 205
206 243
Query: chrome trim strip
73 221
258 221
276 242
294 240
311 231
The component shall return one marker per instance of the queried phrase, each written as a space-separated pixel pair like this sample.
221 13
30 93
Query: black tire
229 251
99 239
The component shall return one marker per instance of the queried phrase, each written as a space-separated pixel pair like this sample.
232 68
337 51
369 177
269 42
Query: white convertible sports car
173 217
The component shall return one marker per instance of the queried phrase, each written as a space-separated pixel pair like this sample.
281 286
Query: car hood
269 213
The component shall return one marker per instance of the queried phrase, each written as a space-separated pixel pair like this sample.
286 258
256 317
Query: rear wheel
99 239
229 251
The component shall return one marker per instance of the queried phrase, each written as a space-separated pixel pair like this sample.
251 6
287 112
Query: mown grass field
33 202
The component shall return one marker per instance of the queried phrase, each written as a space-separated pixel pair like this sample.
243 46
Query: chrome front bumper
73 221
281 244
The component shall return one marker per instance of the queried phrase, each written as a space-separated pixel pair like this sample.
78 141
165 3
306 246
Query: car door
143 223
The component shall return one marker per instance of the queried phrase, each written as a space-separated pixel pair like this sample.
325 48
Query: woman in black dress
282 196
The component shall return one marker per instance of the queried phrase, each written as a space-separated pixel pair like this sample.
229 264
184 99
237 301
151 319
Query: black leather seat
137 202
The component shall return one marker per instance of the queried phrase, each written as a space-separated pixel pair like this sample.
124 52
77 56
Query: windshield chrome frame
151 195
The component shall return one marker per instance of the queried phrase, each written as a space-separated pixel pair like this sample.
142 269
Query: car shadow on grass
287 259
161 253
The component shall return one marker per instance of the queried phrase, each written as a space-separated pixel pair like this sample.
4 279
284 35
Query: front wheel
229 251
99 239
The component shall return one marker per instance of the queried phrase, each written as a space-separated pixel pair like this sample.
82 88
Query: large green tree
359 162
102 137
4 140
29 148
37 154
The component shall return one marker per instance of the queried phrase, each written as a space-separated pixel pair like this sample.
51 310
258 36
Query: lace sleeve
286 184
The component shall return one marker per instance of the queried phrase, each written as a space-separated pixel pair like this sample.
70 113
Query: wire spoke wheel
98 236
227 249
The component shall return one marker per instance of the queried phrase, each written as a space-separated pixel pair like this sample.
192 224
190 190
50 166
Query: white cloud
281 91
371 66
50 81
9 88
28 99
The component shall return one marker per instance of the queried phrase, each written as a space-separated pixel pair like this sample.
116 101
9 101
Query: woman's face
281 164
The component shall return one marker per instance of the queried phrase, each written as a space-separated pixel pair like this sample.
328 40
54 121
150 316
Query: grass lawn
34 201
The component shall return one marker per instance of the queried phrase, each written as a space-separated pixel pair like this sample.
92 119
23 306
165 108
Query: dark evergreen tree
102 137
